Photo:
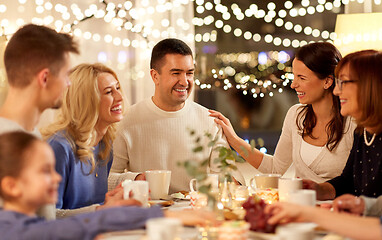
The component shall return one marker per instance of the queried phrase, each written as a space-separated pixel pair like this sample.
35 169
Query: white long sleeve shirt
149 138
325 166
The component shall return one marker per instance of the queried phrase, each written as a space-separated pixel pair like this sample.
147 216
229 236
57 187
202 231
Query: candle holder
269 195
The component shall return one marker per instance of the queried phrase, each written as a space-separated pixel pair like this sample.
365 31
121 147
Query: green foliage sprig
225 161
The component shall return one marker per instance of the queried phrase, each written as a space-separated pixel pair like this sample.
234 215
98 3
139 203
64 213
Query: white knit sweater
150 138
325 166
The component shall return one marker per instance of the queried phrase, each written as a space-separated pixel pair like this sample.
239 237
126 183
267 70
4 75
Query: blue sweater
17 226
78 188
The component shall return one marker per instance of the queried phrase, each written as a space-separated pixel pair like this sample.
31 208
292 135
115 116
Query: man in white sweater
37 64
153 135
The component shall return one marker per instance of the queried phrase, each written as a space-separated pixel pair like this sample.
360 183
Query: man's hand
349 203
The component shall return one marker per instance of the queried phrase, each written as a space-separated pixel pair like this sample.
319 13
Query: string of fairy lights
268 16
136 17
269 73
123 17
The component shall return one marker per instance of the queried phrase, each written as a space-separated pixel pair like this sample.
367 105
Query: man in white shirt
37 63
153 134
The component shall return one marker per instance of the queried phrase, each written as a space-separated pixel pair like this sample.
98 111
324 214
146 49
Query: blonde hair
79 114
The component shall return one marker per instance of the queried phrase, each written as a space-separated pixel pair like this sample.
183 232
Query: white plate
174 196
163 203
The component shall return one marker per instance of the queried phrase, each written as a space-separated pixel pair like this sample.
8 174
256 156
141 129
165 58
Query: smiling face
348 95
38 180
111 100
310 89
174 81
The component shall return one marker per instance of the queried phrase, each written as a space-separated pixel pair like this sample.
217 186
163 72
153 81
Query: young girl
315 137
82 138
28 180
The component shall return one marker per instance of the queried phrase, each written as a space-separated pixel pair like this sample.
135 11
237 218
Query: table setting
240 209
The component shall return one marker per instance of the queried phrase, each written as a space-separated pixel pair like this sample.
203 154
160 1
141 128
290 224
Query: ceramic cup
159 183
305 197
263 181
296 231
198 200
212 179
287 185
163 229
138 189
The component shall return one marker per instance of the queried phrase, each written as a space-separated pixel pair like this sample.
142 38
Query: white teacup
263 181
287 185
212 179
159 183
305 197
139 189
163 228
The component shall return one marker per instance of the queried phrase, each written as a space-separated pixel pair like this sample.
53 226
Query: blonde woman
82 140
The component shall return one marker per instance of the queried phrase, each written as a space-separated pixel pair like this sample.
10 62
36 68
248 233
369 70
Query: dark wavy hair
322 59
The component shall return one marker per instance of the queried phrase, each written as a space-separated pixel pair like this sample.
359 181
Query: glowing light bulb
227 28
219 24
256 37
288 4
237 32
282 13
279 22
277 41
271 6
297 28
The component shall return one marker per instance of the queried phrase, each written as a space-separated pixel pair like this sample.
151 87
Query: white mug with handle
212 179
263 181
288 185
139 190
159 183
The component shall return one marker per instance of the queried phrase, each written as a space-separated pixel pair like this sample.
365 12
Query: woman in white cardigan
315 137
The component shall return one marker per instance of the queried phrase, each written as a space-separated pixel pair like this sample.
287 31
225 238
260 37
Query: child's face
38 180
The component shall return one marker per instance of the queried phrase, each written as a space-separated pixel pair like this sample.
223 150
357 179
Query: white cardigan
325 166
